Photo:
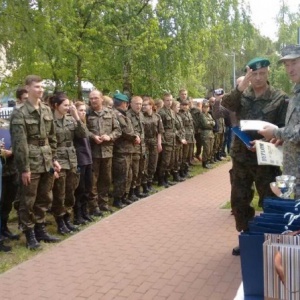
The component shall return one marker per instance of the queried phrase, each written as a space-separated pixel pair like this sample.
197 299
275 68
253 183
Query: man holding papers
252 99
290 134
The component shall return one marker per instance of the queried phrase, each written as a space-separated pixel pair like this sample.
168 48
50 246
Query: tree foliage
132 45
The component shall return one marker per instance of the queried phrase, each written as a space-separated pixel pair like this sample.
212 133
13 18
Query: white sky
264 12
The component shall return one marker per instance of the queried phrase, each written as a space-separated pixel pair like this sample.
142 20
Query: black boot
205 165
150 187
177 178
70 226
97 212
6 232
78 218
145 189
31 242
167 180
161 182
42 235
137 192
4 248
131 196
85 214
218 157
61 226
125 199
118 203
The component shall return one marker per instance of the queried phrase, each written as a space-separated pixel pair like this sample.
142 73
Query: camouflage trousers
136 173
207 144
121 166
63 192
187 155
218 143
102 177
176 160
151 161
243 176
35 199
165 160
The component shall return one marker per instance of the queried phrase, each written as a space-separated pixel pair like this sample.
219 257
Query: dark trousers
84 188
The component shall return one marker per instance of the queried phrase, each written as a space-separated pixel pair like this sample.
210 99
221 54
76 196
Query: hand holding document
268 154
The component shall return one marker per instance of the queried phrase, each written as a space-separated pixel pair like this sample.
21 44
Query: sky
264 12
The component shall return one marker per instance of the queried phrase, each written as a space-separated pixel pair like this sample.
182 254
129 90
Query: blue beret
121 97
290 52
258 63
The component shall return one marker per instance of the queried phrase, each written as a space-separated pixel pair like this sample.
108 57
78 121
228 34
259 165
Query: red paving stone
175 244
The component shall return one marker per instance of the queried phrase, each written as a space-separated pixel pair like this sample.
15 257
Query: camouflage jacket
168 120
180 131
125 143
33 138
137 120
270 107
66 130
207 124
99 123
195 112
188 124
290 134
153 126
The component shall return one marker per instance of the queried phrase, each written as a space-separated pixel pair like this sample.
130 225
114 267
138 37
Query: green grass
20 253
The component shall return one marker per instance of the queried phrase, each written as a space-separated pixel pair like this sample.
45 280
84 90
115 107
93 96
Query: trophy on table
284 186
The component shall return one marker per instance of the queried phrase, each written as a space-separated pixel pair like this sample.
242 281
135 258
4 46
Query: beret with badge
258 63
290 52
121 97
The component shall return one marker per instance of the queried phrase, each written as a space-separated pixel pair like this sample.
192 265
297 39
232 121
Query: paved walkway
175 244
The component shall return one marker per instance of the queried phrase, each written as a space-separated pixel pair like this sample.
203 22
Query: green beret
290 52
121 97
258 63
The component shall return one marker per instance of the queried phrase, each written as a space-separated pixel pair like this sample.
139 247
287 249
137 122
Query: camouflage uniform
100 123
207 124
290 135
270 107
64 186
168 141
153 126
177 154
138 156
187 149
195 112
122 154
34 145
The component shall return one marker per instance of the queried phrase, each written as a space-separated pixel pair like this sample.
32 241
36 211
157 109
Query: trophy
284 186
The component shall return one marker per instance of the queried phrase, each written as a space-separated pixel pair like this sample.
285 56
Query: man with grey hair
290 134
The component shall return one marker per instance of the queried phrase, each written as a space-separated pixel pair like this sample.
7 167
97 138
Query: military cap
120 97
258 63
205 103
290 52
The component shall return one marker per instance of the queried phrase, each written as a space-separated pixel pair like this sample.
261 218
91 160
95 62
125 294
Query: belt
38 142
65 144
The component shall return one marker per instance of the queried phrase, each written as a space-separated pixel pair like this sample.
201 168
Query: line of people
67 156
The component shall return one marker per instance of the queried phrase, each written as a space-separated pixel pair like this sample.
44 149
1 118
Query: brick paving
175 244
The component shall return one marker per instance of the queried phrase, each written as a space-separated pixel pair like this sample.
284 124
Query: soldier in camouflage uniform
138 157
123 150
67 127
178 174
188 148
104 129
34 146
207 124
153 131
289 134
258 101
168 140
196 112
